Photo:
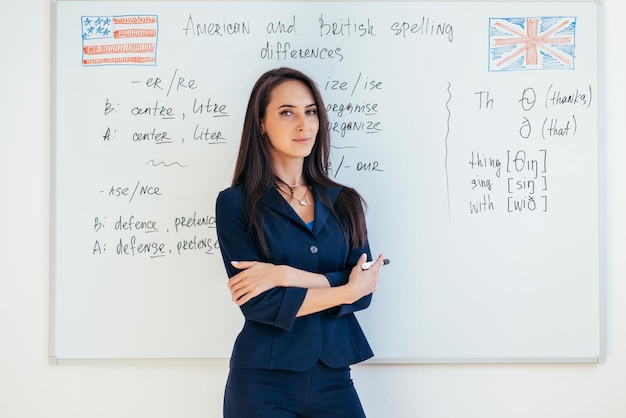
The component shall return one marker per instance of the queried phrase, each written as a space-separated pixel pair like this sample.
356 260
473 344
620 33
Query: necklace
304 200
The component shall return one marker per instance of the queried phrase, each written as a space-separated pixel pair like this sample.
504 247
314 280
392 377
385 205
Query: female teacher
293 242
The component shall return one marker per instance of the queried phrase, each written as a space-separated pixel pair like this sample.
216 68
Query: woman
293 242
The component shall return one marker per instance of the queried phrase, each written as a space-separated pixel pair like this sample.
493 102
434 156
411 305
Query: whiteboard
471 129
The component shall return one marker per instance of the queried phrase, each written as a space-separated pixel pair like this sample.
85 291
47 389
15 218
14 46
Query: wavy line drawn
115 40
532 43
446 144
164 164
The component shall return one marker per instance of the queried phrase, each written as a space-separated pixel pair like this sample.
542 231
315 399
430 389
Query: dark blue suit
272 336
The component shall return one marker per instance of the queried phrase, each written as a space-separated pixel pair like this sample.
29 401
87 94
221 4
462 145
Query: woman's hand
255 278
360 283
363 282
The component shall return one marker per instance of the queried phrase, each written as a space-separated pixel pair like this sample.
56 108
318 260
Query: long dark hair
254 163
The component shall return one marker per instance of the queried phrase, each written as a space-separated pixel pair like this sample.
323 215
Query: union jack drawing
532 43
110 40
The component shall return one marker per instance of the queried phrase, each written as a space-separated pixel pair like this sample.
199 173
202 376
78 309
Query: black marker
369 264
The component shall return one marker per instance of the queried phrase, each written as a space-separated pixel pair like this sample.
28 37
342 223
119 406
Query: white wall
30 387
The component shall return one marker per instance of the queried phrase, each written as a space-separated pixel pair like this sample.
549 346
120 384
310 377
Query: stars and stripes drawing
119 40
532 43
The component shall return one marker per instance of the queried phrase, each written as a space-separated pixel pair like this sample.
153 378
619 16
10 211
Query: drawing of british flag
532 43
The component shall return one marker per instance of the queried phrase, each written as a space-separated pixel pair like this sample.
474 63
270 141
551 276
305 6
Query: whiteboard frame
53 359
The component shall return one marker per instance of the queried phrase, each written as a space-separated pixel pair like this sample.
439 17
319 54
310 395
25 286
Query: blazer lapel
321 211
275 201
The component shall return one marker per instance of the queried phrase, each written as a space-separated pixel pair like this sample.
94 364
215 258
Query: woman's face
291 121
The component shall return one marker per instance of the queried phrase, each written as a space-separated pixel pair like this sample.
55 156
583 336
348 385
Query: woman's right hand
364 282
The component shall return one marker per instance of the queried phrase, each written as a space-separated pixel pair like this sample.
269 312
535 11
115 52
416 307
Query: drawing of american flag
111 40
531 43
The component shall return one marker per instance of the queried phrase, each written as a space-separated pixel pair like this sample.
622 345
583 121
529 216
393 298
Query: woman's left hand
255 278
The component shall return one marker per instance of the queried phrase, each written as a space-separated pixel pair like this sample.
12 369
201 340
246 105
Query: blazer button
313 249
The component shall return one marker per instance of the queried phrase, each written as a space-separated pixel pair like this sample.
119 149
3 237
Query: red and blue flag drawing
115 40
532 43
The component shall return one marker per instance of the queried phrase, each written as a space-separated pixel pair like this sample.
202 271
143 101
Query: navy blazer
272 337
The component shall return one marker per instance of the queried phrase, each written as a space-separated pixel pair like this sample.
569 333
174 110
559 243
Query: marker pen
369 264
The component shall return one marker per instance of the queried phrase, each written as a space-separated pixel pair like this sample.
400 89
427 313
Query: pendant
305 201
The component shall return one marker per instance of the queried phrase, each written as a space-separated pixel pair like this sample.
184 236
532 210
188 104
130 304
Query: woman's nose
301 123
